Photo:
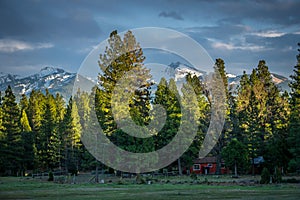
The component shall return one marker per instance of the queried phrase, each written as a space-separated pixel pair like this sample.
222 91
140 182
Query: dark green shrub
277 176
140 180
72 168
265 176
143 181
50 176
193 176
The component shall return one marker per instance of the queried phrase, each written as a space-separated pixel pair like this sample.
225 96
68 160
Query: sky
60 33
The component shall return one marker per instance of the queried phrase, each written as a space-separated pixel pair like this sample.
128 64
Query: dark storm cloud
63 28
171 14
278 12
45 20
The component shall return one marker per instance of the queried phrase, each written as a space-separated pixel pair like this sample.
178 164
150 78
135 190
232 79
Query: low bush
265 176
50 176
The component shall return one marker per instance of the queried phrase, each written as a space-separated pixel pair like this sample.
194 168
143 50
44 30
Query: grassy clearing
17 188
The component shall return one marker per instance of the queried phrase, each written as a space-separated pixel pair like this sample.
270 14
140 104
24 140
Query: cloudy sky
39 33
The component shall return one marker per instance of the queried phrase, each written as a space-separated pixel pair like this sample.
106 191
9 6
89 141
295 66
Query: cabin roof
204 160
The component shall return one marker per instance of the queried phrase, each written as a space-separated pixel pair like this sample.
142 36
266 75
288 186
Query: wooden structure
207 165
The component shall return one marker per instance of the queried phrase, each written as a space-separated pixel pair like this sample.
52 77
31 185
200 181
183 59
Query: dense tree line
42 132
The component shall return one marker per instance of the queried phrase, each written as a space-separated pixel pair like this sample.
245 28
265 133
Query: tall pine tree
35 111
202 121
11 133
262 116
294 128
27 136
2 158
71 132
122 64
83 101
220 68
48 142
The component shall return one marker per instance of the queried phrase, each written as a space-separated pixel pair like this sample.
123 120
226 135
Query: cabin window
209 165
196 167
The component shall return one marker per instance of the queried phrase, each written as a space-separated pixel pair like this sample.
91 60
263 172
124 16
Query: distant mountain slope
178 71
59 81
54 79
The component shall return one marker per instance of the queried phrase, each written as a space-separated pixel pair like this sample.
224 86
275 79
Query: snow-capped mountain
178 71
53 79
58 80
175 70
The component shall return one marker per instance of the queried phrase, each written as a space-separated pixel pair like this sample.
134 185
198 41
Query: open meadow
28 188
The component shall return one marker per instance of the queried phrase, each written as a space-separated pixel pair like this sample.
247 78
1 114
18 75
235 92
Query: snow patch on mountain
277 79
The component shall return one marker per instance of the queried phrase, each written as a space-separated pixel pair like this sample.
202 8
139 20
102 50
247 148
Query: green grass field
18 188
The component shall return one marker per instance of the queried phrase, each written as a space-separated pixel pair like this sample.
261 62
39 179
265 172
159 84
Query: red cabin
207 165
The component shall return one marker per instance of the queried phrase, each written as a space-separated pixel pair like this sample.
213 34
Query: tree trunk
235 169
219 160
219 147
253 170
179 167
97 173
66 160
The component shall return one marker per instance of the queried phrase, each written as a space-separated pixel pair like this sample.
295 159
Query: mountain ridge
56 80
61 81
